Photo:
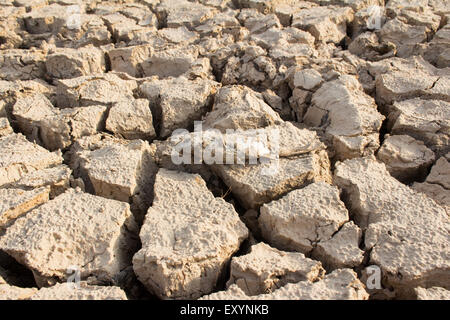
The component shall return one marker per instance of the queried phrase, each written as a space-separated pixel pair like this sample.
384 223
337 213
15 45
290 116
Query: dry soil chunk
409 28
354 4
287 54
395 7
177 13
223 22
342 284
100 89
188 237
20 157
262 23
81 230
129 59
406 159
266 269
438 51
69 291
47 19
178 102
58 131
57 178
62 291
120 171
348 115
239 107
434 293
404 35
21 64
368 46
437 184
5 127
29 110
175 62
8 292
275 37
407 232
411 78
254 185
122 28
11 92
180 35
440 173
262 6
157 56
141 13
93 31
426 120
342 250
10 27
326 24
303 217
306 79
16 202
131 119
166 157
246 63
71 63
243 146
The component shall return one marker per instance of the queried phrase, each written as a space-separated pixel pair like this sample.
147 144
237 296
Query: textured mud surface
99 101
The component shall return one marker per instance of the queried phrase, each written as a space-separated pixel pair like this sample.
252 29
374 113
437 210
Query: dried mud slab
238 107
8 292
62 291
437 185
67 291
71 63
412 78
177 103
97 89
303 217
16 202
255 185
342 284
58 178
20 64
5 127
58 131
348 115
425 120
132 119
266 269
342 249
20 157
406 159
406 232
30 109
187 238
433 293
81 230
117 169
327 24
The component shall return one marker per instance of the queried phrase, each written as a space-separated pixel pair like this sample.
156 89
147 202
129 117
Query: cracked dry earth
90 97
